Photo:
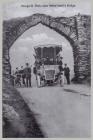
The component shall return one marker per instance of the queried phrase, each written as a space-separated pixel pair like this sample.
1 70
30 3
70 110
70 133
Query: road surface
60 111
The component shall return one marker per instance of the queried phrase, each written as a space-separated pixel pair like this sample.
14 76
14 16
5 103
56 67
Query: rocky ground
18 119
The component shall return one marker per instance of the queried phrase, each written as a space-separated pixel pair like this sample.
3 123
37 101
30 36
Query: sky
23 49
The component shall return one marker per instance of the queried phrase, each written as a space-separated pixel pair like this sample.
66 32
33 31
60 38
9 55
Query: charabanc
46 63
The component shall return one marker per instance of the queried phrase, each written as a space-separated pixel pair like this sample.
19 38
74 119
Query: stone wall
84 39
18 120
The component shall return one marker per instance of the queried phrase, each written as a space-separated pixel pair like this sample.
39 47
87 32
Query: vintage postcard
46 69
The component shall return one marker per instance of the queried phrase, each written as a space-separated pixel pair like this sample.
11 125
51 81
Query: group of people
22 77
64 72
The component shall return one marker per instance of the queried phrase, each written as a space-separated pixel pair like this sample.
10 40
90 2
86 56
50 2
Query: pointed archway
75 29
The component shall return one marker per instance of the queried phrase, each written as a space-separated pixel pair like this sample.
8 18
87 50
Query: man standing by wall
18 77
67 73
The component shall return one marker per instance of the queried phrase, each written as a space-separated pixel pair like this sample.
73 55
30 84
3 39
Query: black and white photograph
46 69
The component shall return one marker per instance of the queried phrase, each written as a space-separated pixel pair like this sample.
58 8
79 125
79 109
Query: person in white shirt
38 80
60 55
61 78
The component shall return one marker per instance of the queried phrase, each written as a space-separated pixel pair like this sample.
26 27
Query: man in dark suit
28 75
67 73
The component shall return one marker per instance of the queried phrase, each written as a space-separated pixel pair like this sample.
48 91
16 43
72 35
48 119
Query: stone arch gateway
76 29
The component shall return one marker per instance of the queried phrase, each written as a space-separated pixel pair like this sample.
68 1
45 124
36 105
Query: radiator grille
49 74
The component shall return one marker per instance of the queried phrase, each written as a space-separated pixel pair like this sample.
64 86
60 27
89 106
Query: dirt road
60 111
